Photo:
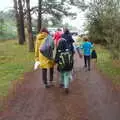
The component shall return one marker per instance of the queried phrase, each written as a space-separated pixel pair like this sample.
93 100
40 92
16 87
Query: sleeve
73 50
36 50
54 36
92 45
82 46
57 56
71 39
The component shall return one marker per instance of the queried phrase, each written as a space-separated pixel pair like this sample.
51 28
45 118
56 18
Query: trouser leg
88 59
44 76
61 77
51 71
85 61
66 79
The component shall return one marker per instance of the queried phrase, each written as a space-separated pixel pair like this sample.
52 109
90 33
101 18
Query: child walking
87 46
64 60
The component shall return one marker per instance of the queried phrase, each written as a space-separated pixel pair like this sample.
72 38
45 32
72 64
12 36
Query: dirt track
91 98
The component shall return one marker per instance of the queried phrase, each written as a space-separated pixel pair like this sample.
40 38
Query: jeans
87 61
44 75
65 78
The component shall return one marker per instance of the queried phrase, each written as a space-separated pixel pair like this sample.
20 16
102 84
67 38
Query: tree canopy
103 25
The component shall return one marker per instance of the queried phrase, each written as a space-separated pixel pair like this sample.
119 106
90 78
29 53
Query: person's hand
36 65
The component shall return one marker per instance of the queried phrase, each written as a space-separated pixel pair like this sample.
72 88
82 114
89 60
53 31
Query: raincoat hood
42 35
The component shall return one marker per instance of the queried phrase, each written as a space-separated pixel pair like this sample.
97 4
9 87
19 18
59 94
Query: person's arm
37 50
54 36
57 56
92 45
71 39
82 46
79 53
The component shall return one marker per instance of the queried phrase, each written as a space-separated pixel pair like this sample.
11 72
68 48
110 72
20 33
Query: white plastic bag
36 65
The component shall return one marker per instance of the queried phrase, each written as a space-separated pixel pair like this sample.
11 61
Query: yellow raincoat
44 62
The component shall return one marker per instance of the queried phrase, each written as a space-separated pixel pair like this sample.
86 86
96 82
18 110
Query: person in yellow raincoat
45 63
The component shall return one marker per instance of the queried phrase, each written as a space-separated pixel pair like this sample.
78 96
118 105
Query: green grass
107 66
14 61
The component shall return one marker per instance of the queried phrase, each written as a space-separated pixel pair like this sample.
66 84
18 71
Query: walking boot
47 86
88 69
61 85
51 84
66 90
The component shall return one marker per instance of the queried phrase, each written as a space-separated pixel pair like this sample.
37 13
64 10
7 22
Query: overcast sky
9 3
78 22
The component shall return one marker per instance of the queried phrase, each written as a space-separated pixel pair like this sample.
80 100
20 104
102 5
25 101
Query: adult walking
68 37
65 50
64 60
45 63
57 36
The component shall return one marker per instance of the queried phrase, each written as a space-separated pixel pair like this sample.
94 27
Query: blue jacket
87 48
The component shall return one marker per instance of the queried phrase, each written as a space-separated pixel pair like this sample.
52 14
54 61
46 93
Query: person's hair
66 30
59 29
44 30
85 38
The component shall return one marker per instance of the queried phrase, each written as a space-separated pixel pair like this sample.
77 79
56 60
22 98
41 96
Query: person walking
57 36
64 60
45 63
70 41
87 46
68 37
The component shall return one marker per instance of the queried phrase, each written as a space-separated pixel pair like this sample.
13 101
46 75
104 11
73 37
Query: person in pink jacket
57 36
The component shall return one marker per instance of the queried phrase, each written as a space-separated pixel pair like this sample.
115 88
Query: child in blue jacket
87 46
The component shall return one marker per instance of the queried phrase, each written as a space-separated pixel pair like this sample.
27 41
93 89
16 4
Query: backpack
94 54
47 48
65 62
64 56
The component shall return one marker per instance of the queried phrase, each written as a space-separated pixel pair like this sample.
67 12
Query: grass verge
107 65
14 61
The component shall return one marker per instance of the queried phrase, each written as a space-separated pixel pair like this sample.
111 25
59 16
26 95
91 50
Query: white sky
78 22
9 3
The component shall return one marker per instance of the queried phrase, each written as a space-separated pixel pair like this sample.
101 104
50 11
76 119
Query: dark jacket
62 47
67 36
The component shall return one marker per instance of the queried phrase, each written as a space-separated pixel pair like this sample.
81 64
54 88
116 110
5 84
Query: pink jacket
57 37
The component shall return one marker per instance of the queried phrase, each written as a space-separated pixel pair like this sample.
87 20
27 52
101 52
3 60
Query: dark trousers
44 75
87 61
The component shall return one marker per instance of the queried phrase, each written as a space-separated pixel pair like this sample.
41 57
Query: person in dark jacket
67 36
64 60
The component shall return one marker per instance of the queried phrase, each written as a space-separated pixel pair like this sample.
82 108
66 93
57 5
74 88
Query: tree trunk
21 20
29 28
39 15
17 19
